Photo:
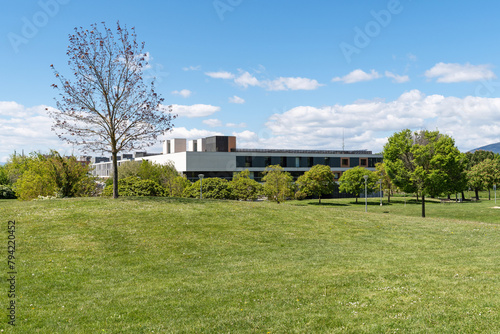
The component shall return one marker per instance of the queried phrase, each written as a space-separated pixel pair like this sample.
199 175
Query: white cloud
212 122
220 75
236 125
236 99
292 84
397 78
183 132
184 93
367 124
27 129
448 73
357 76
192 68
195 110
246 79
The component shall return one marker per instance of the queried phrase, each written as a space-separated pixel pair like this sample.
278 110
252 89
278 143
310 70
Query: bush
213 188
6 192
133 186
244 188
300 195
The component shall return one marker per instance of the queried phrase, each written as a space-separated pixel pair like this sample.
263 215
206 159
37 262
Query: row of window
308 162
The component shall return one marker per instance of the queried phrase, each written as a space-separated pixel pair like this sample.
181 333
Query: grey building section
218 156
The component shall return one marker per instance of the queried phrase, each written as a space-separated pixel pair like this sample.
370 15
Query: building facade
218 156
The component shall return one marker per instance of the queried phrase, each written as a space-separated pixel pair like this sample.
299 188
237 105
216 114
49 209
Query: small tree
244 188
352 181
109 107
484 175
278 184
317 181
387 184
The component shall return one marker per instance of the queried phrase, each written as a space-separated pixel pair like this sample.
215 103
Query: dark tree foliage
108 106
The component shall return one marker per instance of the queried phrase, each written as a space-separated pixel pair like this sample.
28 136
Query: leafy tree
474 158
317 181
213 188
108 107
352 181
484 175
278 184
4 177
244 188
425 161
48 175
387 184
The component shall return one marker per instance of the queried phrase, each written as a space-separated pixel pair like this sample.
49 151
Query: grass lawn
144 265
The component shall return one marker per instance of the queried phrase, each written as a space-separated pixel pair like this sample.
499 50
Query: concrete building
218 156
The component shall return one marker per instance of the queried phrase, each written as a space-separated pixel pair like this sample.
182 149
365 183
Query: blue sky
277 74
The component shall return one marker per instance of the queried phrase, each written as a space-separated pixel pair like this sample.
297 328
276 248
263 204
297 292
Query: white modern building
218 156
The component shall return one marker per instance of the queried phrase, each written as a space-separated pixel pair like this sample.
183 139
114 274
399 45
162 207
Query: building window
345 162
363 162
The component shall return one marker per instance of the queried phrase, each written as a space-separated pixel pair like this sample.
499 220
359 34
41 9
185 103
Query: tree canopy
352 181
108 107
426 162
317 181
278 184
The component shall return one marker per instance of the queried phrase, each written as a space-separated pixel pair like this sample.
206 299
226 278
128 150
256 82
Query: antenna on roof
343 146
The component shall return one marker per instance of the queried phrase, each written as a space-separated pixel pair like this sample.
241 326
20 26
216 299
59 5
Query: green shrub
133 186
213 188
6 192
244 188
300 195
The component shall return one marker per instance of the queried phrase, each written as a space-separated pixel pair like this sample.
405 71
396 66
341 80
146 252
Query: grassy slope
178 265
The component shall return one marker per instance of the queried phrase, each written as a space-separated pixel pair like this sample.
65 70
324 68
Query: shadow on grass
158 199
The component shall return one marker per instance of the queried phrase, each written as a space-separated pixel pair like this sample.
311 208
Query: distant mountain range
495 148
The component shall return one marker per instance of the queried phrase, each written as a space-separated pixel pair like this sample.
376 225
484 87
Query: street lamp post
366 193
201 185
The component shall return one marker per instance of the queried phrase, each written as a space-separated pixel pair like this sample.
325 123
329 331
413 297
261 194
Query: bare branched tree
108 107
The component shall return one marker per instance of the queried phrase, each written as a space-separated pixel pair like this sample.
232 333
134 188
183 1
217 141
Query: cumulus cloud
212 122
28 129
195 110
452 72
184 93
245 79
292 84
358 76
236 99
220 75
368 124
397 78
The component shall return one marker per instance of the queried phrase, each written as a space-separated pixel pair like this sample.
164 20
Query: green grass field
144 265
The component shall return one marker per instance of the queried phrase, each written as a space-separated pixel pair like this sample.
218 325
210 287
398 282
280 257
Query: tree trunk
357 199
423 205
417 197
477 194
449 197
115 175
489 195
463 196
